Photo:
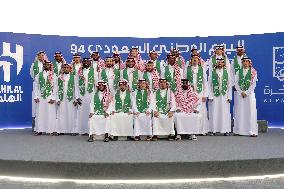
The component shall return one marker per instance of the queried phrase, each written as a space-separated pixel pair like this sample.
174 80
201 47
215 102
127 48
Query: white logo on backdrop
10 93
18 56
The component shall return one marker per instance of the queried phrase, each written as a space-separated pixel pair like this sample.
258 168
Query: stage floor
21 148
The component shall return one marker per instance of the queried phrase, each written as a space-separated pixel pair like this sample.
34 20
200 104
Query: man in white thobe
66 101
100 109
196 74
220 96
142 107
131 74
36 67
45 97
84 88
188 120
245 122
122 111
164 106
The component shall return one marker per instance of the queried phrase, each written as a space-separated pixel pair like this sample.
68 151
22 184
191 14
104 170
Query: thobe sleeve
210 87
252 86
77 91
232 72
92 105
173 102
154 108
36 88
55 89
198 107
205 84
229 92
239 91
32 71
110 107
150 108
134 105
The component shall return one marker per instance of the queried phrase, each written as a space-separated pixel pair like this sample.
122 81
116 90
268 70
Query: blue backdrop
17 52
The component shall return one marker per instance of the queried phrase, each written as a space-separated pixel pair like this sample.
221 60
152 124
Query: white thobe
188 123
163 125
143 122
245 122
83 112
46 113
66 114
203 94
34 105
122 123
99 124
219 108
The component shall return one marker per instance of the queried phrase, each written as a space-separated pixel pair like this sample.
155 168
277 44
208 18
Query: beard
185 87
109 65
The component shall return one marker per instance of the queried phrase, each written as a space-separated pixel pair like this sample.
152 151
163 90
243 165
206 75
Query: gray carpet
71 157
22 145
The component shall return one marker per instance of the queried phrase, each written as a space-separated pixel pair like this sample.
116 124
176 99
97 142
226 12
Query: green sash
45 86
169 78
90 84
134 80
118 102
244 81
70 88
215 82
141 101
161 102
199 77
98 105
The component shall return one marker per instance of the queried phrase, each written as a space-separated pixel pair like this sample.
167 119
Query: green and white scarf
162 102
70 88
134 80
98 105
170 79
116 77
216 89
199 77
45 86
90 84
237 67
244 80
122 106
142 101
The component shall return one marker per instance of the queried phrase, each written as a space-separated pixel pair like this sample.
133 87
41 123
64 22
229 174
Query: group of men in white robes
137 99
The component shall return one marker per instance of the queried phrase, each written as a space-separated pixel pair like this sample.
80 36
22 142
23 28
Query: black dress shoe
106 139
91 139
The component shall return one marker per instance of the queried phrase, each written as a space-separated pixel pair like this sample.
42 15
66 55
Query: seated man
122 114
142 106
164 105
99 120
188 120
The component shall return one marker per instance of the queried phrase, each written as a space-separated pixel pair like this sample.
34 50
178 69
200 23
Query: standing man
66 101
36 67
110 75
58 62
220 96
196 75
158 64
130 73
245 122
45 97
151 76
97 62
84 88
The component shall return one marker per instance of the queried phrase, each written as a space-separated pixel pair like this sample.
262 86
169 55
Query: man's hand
170 114
113 112
148 113
37 100
129 113
106 115
229 100
91 115
58 103
156 113
75 103
244 94
178 110
204 99
195 111
51 101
